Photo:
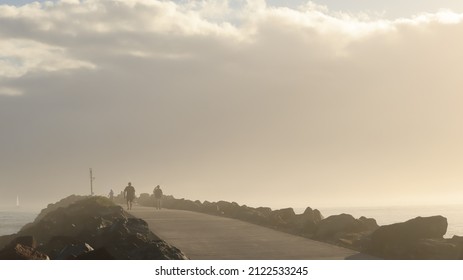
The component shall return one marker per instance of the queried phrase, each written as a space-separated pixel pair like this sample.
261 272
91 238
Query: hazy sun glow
242 100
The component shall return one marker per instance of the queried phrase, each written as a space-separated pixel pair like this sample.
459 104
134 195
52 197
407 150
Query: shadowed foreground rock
22 248
88 228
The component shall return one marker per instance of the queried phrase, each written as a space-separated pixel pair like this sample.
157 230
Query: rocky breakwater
419 238
86 228
343 230
283 219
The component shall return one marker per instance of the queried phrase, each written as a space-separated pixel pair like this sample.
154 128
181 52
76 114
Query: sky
278 103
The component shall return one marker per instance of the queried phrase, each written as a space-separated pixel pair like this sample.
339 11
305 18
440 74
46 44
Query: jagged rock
251 215
156 250
6 239
283 218
286 214
368 224
72 232
145 199
400 240
26 240
57 244
264 211
229 209
434 249
65 202
307 222
210 208
98 254
345 227
336 224
181 204
313 214
73 250
458 240
17 251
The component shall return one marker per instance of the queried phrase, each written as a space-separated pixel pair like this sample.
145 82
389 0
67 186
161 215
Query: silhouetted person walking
129 195
111 195
158 197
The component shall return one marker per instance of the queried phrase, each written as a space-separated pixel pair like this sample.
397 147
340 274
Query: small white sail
17 201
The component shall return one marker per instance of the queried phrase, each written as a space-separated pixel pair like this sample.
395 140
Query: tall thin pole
91 181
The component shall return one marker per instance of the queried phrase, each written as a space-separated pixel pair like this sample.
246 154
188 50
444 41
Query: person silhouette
111 195
158 197
129 195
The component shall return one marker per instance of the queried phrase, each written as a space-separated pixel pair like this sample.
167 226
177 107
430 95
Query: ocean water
398 214
12 220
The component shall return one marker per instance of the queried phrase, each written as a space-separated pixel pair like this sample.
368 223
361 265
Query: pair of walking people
129 195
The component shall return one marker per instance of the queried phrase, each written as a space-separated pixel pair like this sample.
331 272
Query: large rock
21 252
434 249
307 222
6 239
400 240
335 224
367 224
229 209
253 215
18 249
146 199
63 203
25 240
74 231
98 254
56 245
283 218
210 208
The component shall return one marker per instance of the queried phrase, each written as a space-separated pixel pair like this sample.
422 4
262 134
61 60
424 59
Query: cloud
20 56
214 93
9 91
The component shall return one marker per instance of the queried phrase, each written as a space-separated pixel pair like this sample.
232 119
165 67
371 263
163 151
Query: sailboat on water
17 201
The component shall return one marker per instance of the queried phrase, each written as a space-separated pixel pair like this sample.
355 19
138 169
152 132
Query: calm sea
12 220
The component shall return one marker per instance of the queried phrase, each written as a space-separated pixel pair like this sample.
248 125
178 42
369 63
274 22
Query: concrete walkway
202 236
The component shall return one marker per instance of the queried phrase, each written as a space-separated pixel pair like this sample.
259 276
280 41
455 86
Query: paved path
202 236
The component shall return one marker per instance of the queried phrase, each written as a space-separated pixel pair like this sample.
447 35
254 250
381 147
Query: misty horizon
309 104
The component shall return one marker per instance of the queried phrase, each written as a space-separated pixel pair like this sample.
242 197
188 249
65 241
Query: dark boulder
98 254
229 209
283 218
307 222
210 208
146 199
17 250
367 224
26 240
22 252
434 249
181 204
72 232
57 244
71 251
252 215
458 241
6 239
332 225
400 240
